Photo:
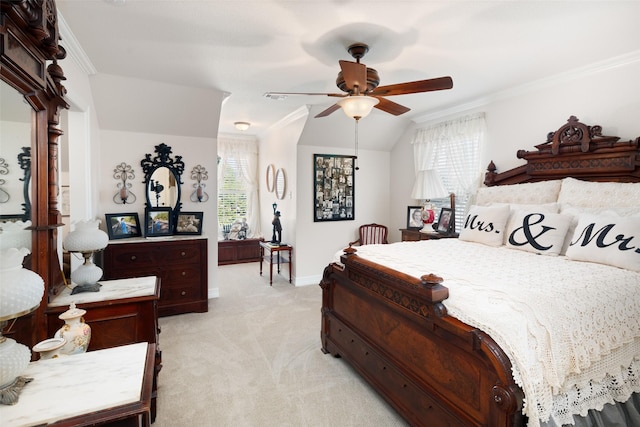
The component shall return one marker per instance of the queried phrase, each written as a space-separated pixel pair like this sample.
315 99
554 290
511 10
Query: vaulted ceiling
249 47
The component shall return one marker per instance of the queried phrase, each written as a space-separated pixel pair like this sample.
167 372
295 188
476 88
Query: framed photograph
158 222
333 187
414 217
445 221
189 223
123 225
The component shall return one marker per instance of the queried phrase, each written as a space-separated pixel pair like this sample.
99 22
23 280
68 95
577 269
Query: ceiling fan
361 91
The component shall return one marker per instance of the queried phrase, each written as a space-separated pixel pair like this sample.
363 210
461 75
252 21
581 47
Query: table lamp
86 238
428 186
21 291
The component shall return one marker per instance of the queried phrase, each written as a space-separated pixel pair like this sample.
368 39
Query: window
238 184
232 191
466 154
453 148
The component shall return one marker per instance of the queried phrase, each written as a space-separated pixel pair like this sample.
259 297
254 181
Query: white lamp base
14 359
86 274
427 228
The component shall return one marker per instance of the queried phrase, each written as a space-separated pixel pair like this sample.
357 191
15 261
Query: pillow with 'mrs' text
485 224
607 239
538 232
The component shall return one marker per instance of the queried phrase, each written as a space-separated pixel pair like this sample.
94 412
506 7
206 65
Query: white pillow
576 211
599 194
537 232
607 239
526 193
485 224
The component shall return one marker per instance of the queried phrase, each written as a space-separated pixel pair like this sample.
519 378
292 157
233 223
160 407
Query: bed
451 334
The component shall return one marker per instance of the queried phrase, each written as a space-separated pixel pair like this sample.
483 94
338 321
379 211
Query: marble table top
110 290
70 386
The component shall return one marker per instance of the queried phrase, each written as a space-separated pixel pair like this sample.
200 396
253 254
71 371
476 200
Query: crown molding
595 68
73 48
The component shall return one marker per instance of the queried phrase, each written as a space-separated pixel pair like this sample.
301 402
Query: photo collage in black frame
333 187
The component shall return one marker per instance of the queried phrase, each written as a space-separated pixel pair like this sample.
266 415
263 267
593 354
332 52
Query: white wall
131 148
116 119
605 96
317 242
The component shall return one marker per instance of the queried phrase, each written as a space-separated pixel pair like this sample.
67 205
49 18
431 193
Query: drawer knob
183 253
184 273
133 257
183 293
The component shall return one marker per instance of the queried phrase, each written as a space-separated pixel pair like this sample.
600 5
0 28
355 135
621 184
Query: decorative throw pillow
576 211
485 224
525 193
607 239
599 194
538 232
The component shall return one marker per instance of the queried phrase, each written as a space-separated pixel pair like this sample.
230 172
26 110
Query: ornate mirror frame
163 160
29 63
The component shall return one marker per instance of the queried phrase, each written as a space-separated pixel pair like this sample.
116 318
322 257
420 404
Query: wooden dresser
238 251
123 312
180 263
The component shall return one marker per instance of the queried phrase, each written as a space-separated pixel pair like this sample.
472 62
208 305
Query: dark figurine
277 229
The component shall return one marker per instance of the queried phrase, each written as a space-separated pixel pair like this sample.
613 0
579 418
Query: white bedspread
571 329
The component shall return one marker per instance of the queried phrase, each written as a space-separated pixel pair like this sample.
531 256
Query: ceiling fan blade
390 106
440 83
354 74
328 111
339 95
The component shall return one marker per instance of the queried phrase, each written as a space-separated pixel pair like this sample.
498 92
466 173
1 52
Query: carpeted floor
254 360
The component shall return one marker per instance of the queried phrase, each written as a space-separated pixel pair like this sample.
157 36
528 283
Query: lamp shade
428 185
86 237
21 290
357 107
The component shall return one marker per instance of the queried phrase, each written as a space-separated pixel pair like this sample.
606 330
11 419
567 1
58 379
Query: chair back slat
373 234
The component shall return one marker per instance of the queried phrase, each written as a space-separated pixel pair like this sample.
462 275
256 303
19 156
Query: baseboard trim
308 280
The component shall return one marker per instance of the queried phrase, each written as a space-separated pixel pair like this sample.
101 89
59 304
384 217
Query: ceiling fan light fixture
357 106
242 126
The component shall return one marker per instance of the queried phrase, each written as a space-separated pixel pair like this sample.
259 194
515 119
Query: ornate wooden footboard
395 331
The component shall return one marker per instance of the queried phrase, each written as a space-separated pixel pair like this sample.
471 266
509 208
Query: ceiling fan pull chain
356 159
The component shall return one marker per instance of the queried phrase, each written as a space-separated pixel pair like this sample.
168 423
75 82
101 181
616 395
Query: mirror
271 172
281 184
15 154
162 179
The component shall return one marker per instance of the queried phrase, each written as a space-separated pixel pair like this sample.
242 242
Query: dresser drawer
180 294
180 264
182 274
128 258
180 254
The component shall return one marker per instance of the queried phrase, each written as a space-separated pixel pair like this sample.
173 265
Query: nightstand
409 235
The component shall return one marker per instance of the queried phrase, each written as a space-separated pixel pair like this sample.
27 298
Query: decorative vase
50 348
75 331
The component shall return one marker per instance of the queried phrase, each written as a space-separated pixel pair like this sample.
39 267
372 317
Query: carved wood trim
577 150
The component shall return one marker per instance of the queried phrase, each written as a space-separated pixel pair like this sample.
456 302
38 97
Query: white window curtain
241 154
452 148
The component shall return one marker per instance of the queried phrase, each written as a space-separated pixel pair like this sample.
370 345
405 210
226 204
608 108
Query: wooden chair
371 234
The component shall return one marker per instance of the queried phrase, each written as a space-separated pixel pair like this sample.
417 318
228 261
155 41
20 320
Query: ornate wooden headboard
575 150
